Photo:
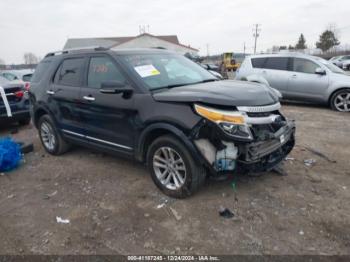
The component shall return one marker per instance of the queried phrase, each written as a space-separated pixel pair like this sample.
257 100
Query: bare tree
2 62
30 58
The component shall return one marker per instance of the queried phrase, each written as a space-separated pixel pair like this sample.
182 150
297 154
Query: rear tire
340 100
183 176
50 138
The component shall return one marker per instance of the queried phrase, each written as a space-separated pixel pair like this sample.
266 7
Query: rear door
108 118
304 83
275 71
64 96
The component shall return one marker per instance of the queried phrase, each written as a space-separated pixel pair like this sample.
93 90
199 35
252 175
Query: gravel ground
114 208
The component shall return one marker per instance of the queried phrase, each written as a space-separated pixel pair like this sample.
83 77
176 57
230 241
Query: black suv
160 108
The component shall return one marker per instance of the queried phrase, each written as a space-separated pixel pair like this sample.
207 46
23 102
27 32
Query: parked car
301 77
346 65
159 108
23 75
339 60
17 98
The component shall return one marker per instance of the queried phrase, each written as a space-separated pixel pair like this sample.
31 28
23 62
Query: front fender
141 150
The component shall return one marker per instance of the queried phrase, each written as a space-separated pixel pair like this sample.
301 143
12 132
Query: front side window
304 66
166 70
102 69
70 72
276 63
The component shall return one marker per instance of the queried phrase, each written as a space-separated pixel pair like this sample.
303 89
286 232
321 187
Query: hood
225 93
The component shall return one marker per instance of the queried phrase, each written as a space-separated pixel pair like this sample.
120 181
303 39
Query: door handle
89 98
50 92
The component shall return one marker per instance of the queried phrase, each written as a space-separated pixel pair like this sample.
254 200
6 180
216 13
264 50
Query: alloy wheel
342 102
47 136
169 168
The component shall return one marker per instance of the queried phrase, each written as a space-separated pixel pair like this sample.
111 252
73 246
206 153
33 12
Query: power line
256 34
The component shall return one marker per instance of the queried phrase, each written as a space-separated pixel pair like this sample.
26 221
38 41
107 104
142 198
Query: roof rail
72 50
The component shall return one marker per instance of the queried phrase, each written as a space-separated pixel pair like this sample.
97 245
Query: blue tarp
10 154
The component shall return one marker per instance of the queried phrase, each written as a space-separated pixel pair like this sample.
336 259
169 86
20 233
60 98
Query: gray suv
300 77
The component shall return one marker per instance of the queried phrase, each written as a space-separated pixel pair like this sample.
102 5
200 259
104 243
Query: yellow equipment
229 63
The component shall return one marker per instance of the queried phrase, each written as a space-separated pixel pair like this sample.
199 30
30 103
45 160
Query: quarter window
102 69
40 70
70 72
304 66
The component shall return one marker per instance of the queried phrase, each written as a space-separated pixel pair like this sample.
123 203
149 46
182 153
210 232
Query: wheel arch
156 130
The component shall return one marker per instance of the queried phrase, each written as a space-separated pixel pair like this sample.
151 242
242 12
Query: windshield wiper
185 84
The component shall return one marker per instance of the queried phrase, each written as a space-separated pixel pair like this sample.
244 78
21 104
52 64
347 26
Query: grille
259 109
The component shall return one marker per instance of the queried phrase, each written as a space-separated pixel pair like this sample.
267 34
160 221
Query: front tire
50 138
173 169
340 100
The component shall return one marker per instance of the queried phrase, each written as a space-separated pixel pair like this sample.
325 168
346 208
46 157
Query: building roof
115 41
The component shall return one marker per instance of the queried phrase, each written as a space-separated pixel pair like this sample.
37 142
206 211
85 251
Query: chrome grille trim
259 109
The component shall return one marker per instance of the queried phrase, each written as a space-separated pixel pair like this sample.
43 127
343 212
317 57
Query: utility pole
244 48
256 34
207 50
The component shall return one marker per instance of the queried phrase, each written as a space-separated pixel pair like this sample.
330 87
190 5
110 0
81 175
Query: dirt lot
112 203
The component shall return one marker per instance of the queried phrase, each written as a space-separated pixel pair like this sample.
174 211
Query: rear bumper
19 110
16 115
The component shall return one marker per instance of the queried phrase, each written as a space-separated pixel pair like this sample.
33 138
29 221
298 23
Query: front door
304 83
108 118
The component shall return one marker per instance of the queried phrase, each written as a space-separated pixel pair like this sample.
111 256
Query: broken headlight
231 122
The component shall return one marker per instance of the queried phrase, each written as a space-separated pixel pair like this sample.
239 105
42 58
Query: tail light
27 86
19 94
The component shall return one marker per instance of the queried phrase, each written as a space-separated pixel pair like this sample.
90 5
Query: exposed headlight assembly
231 122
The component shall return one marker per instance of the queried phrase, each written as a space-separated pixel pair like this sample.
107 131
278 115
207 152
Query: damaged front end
248 139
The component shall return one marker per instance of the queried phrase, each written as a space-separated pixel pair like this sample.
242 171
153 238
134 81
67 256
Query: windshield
330 66
166 70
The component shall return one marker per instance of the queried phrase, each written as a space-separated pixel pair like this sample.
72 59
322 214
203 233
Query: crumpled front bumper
259 156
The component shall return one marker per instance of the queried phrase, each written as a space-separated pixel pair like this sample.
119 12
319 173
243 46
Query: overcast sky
40 26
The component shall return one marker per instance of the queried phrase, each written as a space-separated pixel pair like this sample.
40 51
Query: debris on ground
309 162
10 154
175 213
289 159
225 213
301 232
317 153
48 196
62 221
26 147
161 206
279 170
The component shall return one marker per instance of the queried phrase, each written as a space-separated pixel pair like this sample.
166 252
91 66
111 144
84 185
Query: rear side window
258 62
70 72
40 70
276 63
102 69
304 66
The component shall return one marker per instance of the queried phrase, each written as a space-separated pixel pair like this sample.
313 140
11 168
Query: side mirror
116 87
320 71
